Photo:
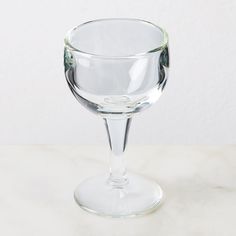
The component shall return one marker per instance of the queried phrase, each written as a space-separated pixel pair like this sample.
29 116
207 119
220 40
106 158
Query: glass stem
117 130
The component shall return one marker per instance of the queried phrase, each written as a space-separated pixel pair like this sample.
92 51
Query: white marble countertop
37 184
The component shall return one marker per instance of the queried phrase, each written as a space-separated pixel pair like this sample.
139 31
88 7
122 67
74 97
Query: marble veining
37 184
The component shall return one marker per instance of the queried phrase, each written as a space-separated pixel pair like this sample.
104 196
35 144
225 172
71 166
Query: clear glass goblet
116 68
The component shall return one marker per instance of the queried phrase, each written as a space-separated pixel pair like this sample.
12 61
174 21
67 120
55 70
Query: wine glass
116 68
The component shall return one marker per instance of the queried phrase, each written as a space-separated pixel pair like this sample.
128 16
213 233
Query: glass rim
163 45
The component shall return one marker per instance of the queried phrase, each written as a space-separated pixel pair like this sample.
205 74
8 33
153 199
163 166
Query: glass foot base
138 197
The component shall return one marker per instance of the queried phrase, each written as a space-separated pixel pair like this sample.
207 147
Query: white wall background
198 106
